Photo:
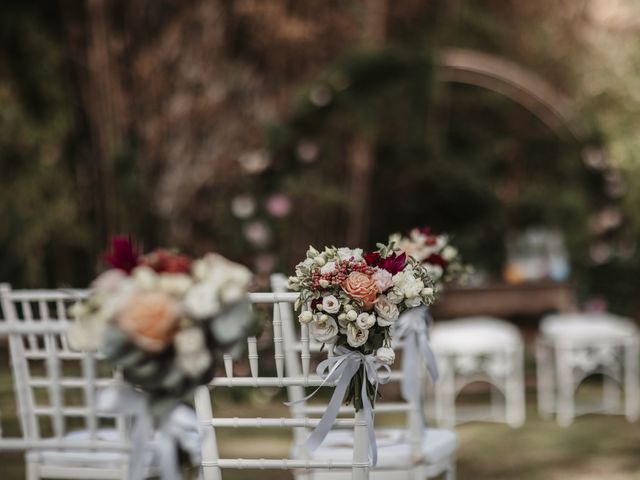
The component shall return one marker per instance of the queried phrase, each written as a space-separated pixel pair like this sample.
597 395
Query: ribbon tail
331 413
167 457
409 363
368 412
142 428
429 356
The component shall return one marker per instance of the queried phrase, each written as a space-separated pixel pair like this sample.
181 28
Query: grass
594 447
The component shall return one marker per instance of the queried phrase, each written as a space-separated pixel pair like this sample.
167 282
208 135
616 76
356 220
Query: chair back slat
55 386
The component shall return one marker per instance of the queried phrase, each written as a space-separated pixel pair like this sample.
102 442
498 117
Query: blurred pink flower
278 205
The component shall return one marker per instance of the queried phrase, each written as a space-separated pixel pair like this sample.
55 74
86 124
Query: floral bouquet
437 255
161 318
351 299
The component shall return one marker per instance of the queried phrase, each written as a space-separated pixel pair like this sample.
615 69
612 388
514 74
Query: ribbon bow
180 429
412 329
341 368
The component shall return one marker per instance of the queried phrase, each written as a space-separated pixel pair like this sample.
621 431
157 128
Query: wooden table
505 300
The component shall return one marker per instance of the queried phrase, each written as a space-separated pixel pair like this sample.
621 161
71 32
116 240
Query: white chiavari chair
63 434
410 452
212 465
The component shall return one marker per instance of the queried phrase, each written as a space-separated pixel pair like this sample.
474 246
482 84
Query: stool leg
544 377
631 386
514 393
566 390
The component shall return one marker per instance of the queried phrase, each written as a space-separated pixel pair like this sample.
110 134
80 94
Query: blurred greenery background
238 125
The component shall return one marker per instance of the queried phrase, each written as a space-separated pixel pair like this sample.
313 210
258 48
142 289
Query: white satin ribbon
412 329
341 369
179 429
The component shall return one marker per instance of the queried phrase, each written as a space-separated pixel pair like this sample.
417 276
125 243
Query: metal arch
522 86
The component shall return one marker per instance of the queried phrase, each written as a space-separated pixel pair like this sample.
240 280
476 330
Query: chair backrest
278 304
55 386
299 342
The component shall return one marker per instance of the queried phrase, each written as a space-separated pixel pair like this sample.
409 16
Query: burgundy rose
394 263
425 231
435 259
372 258
122 255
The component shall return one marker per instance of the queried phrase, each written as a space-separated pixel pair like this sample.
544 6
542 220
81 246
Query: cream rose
386 355
305 317
360 286
330 304
150 320
324 329
366 320
387 311
356 336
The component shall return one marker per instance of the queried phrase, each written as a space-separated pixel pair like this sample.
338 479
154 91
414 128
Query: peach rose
150 320
360 286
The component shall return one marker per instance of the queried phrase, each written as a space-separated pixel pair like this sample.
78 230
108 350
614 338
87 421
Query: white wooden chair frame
42 337
301 345
564 363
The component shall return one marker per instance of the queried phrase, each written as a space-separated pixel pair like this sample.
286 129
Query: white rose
383 279
365 321
305 317
328 267
352 315
144 278
413 289
435 271
356 337
330 304
386 355
449 253
395 296
192 355
174 283
201 301
387 311
346 253
324 329
413 302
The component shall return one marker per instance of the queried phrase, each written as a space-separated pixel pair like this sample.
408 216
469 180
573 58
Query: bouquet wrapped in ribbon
435 253
162 318
351 299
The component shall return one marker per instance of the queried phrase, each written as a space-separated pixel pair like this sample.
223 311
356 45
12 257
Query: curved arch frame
507 78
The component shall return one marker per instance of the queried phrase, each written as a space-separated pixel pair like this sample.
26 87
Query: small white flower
144 278
365 321
356 336
305 317
324 283
328 267
324 329
449 253
330 304
387 311
352 315
347 253
386 355
231 293
413 302
201 301
312 252
395 296
174 283
319 261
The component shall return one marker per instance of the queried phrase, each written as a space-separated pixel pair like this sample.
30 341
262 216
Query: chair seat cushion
588 327
393 447
474 335
83 458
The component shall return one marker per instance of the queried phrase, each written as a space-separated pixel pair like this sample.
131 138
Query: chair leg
631 382
32 471
514 392
544 370
566 407
450 474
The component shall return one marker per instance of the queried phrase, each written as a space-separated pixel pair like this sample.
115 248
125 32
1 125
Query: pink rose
383 279
360 286
150 320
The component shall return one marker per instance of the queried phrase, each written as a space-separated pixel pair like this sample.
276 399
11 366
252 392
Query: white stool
574 346
479 349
